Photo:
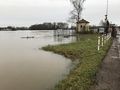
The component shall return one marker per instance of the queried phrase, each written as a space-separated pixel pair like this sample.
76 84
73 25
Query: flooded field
24 67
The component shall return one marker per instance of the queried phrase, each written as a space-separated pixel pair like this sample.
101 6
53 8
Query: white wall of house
83 27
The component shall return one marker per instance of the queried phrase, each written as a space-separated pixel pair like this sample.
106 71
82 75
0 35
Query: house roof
83 21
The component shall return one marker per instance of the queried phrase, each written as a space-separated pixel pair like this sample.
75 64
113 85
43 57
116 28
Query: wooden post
98 43
105 38
102 40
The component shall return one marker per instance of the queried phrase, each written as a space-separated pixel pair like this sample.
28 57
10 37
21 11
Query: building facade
83 26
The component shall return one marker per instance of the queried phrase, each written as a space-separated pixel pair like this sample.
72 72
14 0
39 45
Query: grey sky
27 12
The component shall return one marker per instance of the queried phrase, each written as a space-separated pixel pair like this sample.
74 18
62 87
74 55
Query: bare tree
77 10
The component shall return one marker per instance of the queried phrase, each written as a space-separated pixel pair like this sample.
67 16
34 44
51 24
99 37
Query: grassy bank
84 50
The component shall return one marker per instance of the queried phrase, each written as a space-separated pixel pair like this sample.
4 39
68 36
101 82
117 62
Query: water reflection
24 67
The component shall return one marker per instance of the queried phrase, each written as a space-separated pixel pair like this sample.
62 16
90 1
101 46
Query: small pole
105 37
98 43
102 40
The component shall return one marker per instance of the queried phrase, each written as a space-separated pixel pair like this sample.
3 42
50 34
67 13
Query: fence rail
102 40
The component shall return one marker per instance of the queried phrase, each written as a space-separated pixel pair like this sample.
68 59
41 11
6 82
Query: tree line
43 26
49 26
12 28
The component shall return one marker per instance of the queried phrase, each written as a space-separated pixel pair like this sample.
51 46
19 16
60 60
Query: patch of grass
84 50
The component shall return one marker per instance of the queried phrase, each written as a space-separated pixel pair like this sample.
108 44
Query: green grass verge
84 50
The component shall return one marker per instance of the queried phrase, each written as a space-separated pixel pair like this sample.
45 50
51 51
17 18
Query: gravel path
108 77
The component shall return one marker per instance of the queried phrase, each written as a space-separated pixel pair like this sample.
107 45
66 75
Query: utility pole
106 19
106 16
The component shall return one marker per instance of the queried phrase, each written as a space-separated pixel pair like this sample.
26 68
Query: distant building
82 26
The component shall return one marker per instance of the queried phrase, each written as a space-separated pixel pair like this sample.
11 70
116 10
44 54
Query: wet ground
108 77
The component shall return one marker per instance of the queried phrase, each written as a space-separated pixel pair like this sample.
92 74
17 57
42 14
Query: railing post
105 39
98 43
102 40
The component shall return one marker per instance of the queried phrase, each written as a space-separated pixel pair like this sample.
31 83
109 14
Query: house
82 26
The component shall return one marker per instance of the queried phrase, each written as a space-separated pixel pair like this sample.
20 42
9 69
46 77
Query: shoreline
89 61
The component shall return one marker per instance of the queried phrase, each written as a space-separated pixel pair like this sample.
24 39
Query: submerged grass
84 50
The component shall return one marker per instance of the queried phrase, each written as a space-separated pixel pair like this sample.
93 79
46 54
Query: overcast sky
27 12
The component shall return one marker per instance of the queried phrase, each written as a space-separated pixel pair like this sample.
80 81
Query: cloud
26 12
33 2
30 15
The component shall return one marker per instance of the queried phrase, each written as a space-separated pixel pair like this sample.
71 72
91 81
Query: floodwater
23 66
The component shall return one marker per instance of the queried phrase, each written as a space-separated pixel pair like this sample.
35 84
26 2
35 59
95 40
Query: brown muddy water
24 67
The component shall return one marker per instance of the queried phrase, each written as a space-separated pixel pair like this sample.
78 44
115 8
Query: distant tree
73 27
49 26
11 28
21 28
62 25
77 10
